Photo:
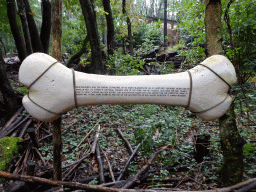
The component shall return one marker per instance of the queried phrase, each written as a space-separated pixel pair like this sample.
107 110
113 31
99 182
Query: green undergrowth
8 148
157 126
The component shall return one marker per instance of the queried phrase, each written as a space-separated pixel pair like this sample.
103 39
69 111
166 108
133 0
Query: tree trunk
231 142
19 41
213 27
92 32
110 27
232 146
46 25
165 23
128 21
79 53
35 40
23 18
9 97
57 54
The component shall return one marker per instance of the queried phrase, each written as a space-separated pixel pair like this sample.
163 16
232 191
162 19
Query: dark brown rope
42 74
211 107
42 107
223 81
74 86
216 74
190 89
35 82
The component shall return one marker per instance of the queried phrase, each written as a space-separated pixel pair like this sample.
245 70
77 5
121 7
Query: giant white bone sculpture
55 89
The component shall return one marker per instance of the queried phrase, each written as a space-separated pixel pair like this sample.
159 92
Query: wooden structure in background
172 32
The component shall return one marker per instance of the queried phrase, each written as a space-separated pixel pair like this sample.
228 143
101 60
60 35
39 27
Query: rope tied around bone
47 69
190 92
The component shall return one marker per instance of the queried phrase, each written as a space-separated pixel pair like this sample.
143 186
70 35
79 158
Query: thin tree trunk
35 40
79 53
57 53
165 23
92 32
231 142
57 148
19 40
129 25
23 18
110 27
46 25
9 97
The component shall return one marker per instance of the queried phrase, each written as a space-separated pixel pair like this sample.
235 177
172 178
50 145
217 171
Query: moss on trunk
232 146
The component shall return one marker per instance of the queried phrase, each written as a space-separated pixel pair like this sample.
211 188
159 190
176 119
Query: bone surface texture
55 89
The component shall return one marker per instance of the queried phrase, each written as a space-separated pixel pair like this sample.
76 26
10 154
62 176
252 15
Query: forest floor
191 161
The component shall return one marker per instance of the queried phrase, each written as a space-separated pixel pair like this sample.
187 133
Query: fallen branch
95 140
8 124
128 162
25 128
73 185
78 161
102 178
109 166
11 128
40 156
76 185
130 149
50 135
88 134
248 187
144 168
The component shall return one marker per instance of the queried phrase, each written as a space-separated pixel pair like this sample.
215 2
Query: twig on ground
112 183
109 166
130 149
78 161
24 157
40 156
102 178
163 179
76 185
46 131
50 135
95 139
11 128
144 168
25 128
161 185
8 124
128 162
88 134
248 187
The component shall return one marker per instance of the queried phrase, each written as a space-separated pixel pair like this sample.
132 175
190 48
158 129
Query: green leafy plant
124 64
